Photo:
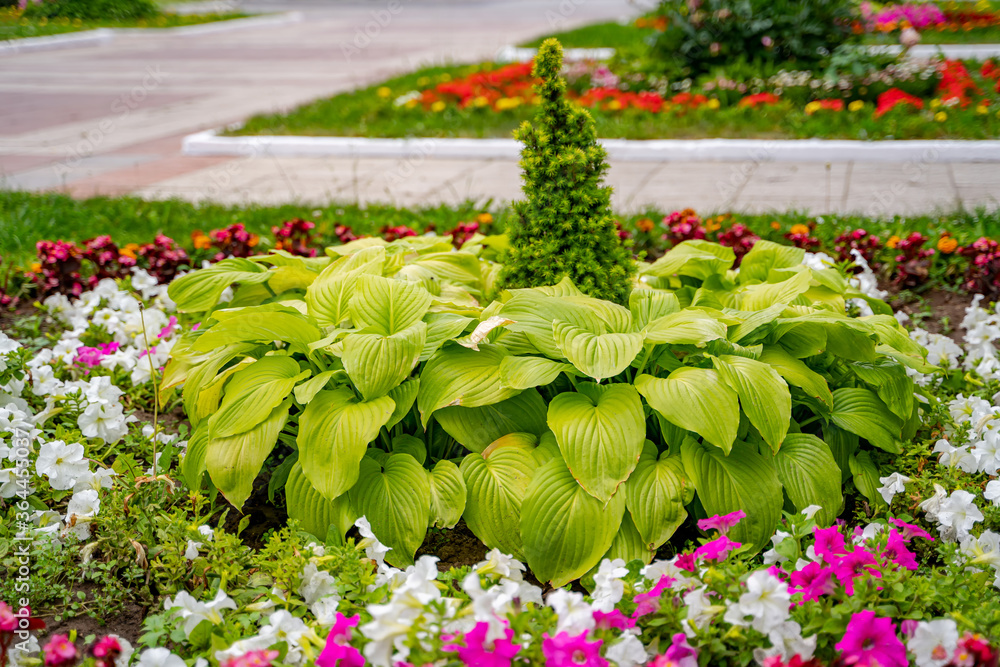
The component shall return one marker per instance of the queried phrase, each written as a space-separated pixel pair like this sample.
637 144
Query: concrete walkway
109 119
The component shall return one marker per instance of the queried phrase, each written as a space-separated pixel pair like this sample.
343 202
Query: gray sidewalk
110 119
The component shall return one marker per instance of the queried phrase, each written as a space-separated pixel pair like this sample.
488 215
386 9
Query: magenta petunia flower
649 601
59 651
679 654
910 531
896 551
870 641
829 543
812 581
337 652
717 549
722 522
565 650
614 620
686 562
477 651
8 622
853 565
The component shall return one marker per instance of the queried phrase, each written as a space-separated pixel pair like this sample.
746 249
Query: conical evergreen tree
564 226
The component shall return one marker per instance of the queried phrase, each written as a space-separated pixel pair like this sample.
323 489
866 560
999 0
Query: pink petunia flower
8 622
168 330
337 652
722 522
679 654
565 650
829 543
812 581
477 651
686 562
853 565
59 651
870 641
910 531
649 601
256 658
614 620
717 549
896 551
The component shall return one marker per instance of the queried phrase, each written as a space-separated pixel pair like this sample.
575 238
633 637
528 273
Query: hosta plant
381 381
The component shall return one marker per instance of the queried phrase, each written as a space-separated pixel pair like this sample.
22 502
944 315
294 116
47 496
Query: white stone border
103 36
209 143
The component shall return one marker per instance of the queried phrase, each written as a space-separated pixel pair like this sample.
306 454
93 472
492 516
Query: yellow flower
775 225
484 218
36 267
713 103
982 109
947 245
384 91
935 103
411 104
505 103
614 105
481 101
713 225
893 241
423 81
800 229
940 116
201 241
444 77
856 105
438 106
813 107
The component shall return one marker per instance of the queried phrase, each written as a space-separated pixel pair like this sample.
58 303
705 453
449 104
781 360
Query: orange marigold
644 225
893 241
800 229
200 240
947 245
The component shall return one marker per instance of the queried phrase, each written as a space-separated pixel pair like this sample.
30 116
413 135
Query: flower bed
14 24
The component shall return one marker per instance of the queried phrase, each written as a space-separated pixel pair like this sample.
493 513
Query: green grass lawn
26 218
599 35
14 27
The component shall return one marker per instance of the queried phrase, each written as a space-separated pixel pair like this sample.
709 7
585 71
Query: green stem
645 359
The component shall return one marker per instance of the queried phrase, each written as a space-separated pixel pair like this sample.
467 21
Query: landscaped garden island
542 434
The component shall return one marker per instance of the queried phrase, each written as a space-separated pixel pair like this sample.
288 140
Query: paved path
110 119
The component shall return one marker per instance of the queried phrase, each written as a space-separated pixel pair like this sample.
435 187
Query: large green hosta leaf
193 463
476 428
448 494
334 432
600 431
315 513
688 327
233 463
442 327
891 383
865 475
386 306
265 326
528 372
497 481
329 295
810 475
759 297
696 399
252 393
395 498
200 290
403 396
596 355
628 544
655 495
651 304
697 258
741 481
377 363
764 396
566 531
860 411
456 375
795 372
534 312
766 256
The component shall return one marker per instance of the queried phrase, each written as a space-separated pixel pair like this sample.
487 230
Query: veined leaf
566 531
377 363
696 399
696 258
329 295
741 481
806 469
767 256
860 411
528 372
627 545
759 297
688 327
252 393
442 327
193 463
866 477
655 496
796 373
456 375
598 356
600 431
533 314
305 391
891 383
233 463
292 328
764 396
386 306
651 304
334 432
448 494
395 498
403 396
315 513
476 428
497 482
200 290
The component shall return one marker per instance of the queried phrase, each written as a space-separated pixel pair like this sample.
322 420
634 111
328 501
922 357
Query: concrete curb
514 54
208 143
104 36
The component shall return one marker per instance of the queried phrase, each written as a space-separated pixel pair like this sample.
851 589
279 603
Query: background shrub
93 10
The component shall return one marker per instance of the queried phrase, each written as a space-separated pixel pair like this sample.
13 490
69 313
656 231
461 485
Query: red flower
893 98
759 99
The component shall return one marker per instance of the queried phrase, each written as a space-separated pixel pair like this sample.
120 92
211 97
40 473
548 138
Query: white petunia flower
325 610
315 584
374 549
608 585
956 457
191 552
992 492
499 564
574 614
159 657
107 422
627 652
810 511
283 627
194 612
959 513
891 485
933 643
63 464
983 550
767 600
